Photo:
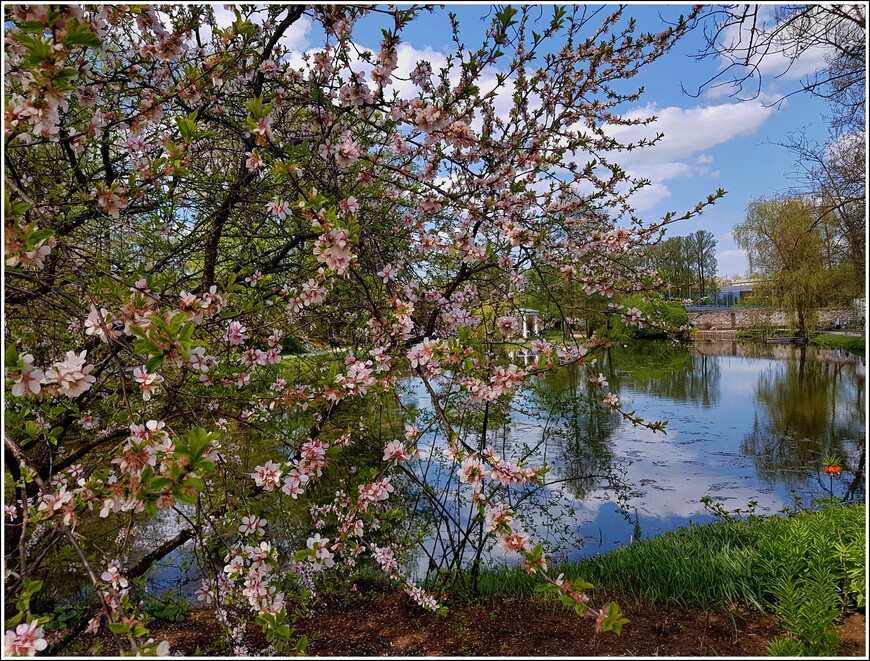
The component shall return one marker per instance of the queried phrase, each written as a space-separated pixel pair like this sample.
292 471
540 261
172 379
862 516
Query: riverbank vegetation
850 343
807 568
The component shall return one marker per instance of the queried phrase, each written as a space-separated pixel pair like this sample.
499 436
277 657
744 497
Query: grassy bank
850 343
806 568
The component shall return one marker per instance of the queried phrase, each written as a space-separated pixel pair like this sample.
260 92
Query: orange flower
832 469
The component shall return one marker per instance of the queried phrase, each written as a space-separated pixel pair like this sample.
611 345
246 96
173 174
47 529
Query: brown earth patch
390 625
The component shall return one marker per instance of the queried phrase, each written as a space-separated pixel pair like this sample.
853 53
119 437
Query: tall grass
701 566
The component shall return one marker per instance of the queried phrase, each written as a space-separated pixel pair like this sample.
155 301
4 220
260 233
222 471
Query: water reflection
580 425
665 370
746 423
809 407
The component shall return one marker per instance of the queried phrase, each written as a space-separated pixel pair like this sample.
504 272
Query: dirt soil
389 625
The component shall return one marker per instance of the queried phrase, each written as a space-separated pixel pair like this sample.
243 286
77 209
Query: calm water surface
745 423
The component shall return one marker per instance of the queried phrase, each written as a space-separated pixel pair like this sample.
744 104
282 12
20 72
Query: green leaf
303 554
32 585
78 34
38 50
614 620
11 357
119 627
153 363
32 26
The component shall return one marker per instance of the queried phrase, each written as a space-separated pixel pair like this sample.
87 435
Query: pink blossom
267 476
385 557
388 273
27 380
542 347
112 203
93 625
348 206
322 555
508 325
252 525
274 339
498 518
423 353
25 640
280 208
254 161
355 93
71 375
295 481
236 333
515 541
421 75
312 293
508 472
52 502
147 382
99 323
205 593
333 249
267 68
346 153
397 450
374 492
472 470
114 577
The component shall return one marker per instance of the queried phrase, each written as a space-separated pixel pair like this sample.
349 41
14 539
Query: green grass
701 566
805 568
850 343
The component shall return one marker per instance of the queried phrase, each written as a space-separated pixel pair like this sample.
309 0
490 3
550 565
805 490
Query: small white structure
530 322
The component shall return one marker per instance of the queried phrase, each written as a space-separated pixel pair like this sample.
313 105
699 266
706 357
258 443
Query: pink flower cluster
71 375
333 249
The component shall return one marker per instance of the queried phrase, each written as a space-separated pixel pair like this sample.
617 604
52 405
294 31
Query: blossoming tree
184 199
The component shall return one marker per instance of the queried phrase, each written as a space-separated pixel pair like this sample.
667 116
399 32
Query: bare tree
746 37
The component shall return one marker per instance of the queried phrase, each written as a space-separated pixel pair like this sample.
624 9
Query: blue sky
712 141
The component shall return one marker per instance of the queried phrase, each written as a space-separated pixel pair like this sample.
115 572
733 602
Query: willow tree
782 241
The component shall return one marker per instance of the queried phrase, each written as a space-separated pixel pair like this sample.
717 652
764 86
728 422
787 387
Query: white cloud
296 37
688 135
688 131
649 196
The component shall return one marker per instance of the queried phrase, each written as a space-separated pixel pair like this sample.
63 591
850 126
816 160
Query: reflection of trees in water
664 370
806 410
581 425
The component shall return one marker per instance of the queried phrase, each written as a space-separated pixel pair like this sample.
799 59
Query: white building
530 320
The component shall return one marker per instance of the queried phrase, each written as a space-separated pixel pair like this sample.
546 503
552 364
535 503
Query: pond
746 423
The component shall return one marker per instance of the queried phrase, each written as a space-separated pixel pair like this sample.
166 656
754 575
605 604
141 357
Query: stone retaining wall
741 318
